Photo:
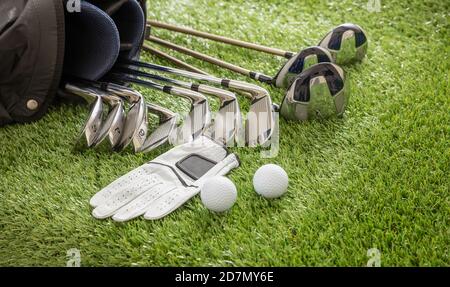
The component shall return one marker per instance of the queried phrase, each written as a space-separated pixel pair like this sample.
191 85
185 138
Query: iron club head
167 124
91 129
135 126
228 120
112 128
198 119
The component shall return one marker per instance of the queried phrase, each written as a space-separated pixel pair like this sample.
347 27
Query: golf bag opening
92 43
130 22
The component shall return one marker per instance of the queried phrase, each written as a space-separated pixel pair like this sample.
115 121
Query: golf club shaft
195 97
179 62
254 75
249 90
224 95
226 40
172 59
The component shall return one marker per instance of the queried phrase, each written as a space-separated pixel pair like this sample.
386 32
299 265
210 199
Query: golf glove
160 186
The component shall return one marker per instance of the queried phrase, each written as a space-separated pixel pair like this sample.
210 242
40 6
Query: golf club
174 60
284 77
167 124
260 121
135 126
318 92
346 43
321 84
113 125
199 116
91 129
227 123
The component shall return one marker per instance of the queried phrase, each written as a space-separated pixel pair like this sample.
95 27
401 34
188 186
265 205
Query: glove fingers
139 206
169 202
119 184
124 196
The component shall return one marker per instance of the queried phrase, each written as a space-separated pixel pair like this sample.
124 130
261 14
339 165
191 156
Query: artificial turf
378 178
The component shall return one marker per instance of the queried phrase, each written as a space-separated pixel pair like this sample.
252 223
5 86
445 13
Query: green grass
379 178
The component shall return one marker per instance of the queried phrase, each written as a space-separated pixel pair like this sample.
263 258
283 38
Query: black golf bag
45 42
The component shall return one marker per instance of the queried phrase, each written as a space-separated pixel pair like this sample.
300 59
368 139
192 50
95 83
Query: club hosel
289 55
87 94
163 113
111 99
195 97
123 92
225 96
261 77
255 91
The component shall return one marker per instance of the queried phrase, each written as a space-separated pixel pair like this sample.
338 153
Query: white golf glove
160 186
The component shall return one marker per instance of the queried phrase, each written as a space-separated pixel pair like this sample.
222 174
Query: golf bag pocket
5 118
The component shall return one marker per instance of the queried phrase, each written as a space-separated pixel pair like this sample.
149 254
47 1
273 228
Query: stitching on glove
183 182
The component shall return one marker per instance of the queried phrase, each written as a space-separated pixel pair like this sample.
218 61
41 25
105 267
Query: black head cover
130 21
92 42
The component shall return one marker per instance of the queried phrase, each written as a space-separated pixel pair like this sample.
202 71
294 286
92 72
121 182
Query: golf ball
270 181
218 194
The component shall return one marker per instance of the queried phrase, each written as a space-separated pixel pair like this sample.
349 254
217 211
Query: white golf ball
218 194
270 181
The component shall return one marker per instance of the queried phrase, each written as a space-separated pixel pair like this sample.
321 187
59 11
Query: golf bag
45 42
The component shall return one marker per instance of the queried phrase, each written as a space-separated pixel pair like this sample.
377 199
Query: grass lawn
378 178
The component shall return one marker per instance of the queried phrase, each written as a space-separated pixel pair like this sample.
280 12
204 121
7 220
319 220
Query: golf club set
91 53
315 84
103 76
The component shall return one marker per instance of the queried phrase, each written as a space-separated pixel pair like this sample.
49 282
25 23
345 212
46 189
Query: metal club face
112 128
227 123
135 126
260 122
198 119
347 43
167 123
300 62
91 129
319 92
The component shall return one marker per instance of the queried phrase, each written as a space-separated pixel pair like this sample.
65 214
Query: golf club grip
217 38
174 60
200 56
